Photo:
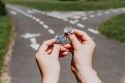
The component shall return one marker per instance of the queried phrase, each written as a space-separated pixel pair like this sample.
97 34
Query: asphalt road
34 26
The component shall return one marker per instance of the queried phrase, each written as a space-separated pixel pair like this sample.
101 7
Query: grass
51 5
114 28
5 33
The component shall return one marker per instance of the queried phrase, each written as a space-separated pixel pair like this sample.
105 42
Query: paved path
34 26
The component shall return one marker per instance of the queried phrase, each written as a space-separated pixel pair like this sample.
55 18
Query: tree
2 8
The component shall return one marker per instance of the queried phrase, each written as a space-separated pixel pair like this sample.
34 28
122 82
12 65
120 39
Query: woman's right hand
82 48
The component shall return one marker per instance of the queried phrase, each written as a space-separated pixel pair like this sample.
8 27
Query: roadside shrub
68 0
2 9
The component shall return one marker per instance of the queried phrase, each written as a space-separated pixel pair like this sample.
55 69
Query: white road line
13 12
99 14
51 31
64 19
80 25
29 11
34 18
115 10
75 17
76 21
92 16
30 16
41 22
107 12
122 9
93 31
84 18
38 20
72 22
45 26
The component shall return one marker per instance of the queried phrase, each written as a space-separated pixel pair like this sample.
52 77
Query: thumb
56 50
75 42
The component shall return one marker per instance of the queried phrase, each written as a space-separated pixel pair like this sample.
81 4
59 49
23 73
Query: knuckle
36 56
73 69
45 42
93 44
83 32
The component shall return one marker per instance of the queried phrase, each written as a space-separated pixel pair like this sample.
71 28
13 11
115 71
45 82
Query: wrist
50 78
86 75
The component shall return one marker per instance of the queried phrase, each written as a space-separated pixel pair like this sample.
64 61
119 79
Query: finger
56 50
63 48
63 54
46 44
75 42
82 34
67 46
49 51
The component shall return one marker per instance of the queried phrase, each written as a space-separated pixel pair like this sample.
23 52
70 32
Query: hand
47 60
82 48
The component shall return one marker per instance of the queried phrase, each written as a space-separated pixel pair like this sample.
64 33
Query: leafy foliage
2 9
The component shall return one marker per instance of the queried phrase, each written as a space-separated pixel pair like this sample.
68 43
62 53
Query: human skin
48 63
81 47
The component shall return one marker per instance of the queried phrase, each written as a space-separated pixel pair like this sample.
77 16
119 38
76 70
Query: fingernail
68 30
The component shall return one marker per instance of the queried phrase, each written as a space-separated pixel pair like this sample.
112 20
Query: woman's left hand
47 59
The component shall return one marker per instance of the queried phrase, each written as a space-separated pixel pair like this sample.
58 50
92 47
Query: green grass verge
69 5
114 28
5 33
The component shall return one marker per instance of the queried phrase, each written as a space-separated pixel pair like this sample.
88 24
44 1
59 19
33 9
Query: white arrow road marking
34 44
81 25
29 35
33 40
93 31
13 12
